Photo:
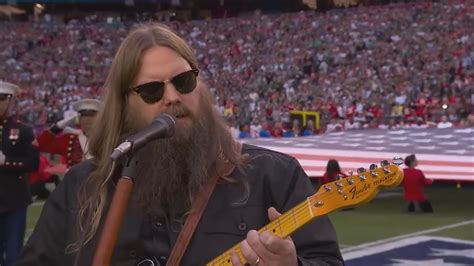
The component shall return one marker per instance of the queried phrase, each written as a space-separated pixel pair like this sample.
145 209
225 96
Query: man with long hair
155 72
18 157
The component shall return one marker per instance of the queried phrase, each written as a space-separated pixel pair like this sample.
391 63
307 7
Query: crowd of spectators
392 66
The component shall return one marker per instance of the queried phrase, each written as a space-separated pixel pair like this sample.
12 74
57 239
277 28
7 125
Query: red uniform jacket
65 144
40 175
413 183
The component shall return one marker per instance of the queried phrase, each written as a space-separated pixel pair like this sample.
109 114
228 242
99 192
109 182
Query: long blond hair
109 124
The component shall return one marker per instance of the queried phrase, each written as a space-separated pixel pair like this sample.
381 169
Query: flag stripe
426 172
354 165
372 160
441 153
316 174
447 168
369 154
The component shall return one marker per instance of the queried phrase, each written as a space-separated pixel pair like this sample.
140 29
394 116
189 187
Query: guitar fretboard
284 226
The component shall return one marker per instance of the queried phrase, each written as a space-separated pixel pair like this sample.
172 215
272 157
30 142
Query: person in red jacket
39 179
333 172
69 142
413 182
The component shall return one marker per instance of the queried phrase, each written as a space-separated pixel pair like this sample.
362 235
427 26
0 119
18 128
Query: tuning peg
350 181
360 172
350 172
327 188
319 204
385 166
397 161
372 168
339 176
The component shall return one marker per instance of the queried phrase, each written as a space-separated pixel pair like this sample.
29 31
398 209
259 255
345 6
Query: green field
386 217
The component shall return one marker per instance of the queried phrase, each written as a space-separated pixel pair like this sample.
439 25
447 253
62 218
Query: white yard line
391 239
398 244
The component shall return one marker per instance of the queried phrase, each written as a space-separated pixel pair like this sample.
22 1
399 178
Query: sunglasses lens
88 112
185 82
151 92
3 97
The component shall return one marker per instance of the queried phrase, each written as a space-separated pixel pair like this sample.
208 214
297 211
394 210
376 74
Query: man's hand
2 158
66 122
266 248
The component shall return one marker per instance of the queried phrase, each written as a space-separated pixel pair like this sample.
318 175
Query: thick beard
173 170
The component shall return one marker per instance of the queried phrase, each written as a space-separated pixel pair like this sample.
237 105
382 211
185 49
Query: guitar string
300 210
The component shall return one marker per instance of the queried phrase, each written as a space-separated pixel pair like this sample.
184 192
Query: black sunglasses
4 96
152 92
88 112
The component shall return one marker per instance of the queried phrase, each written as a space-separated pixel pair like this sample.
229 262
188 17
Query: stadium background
380 222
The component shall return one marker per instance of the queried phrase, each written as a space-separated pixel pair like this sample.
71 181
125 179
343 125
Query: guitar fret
279 225
313 207
294 218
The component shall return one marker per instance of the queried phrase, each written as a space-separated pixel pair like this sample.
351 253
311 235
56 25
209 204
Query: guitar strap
198 207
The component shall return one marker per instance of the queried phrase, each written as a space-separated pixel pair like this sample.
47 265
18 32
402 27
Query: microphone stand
115 215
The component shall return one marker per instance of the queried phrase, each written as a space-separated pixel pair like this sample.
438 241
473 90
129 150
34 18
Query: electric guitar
346 192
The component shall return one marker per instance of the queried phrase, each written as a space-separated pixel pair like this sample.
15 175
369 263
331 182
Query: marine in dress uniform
68 142
18 156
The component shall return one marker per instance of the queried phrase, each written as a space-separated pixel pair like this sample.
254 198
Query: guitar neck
284 226
353 190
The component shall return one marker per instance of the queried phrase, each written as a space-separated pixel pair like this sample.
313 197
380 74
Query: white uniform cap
7 88
86 104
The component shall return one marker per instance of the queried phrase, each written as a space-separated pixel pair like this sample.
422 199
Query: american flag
442 153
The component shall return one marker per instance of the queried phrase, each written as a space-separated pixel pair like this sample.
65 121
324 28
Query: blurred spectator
278 130
334 126
351 124
234 130
309 128
244 132
404 61
444 123
265 132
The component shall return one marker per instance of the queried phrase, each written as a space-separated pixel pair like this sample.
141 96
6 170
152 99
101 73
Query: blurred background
356 82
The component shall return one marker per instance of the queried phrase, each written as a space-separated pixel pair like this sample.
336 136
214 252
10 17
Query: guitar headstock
356 188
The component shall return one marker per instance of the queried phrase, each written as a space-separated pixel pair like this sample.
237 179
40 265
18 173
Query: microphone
163 126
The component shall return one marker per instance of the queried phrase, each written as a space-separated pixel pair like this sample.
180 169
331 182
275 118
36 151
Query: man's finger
275 244
273 214
235 259
249 254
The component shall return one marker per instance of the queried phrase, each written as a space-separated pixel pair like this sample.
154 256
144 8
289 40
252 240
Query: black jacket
21 157
275 180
